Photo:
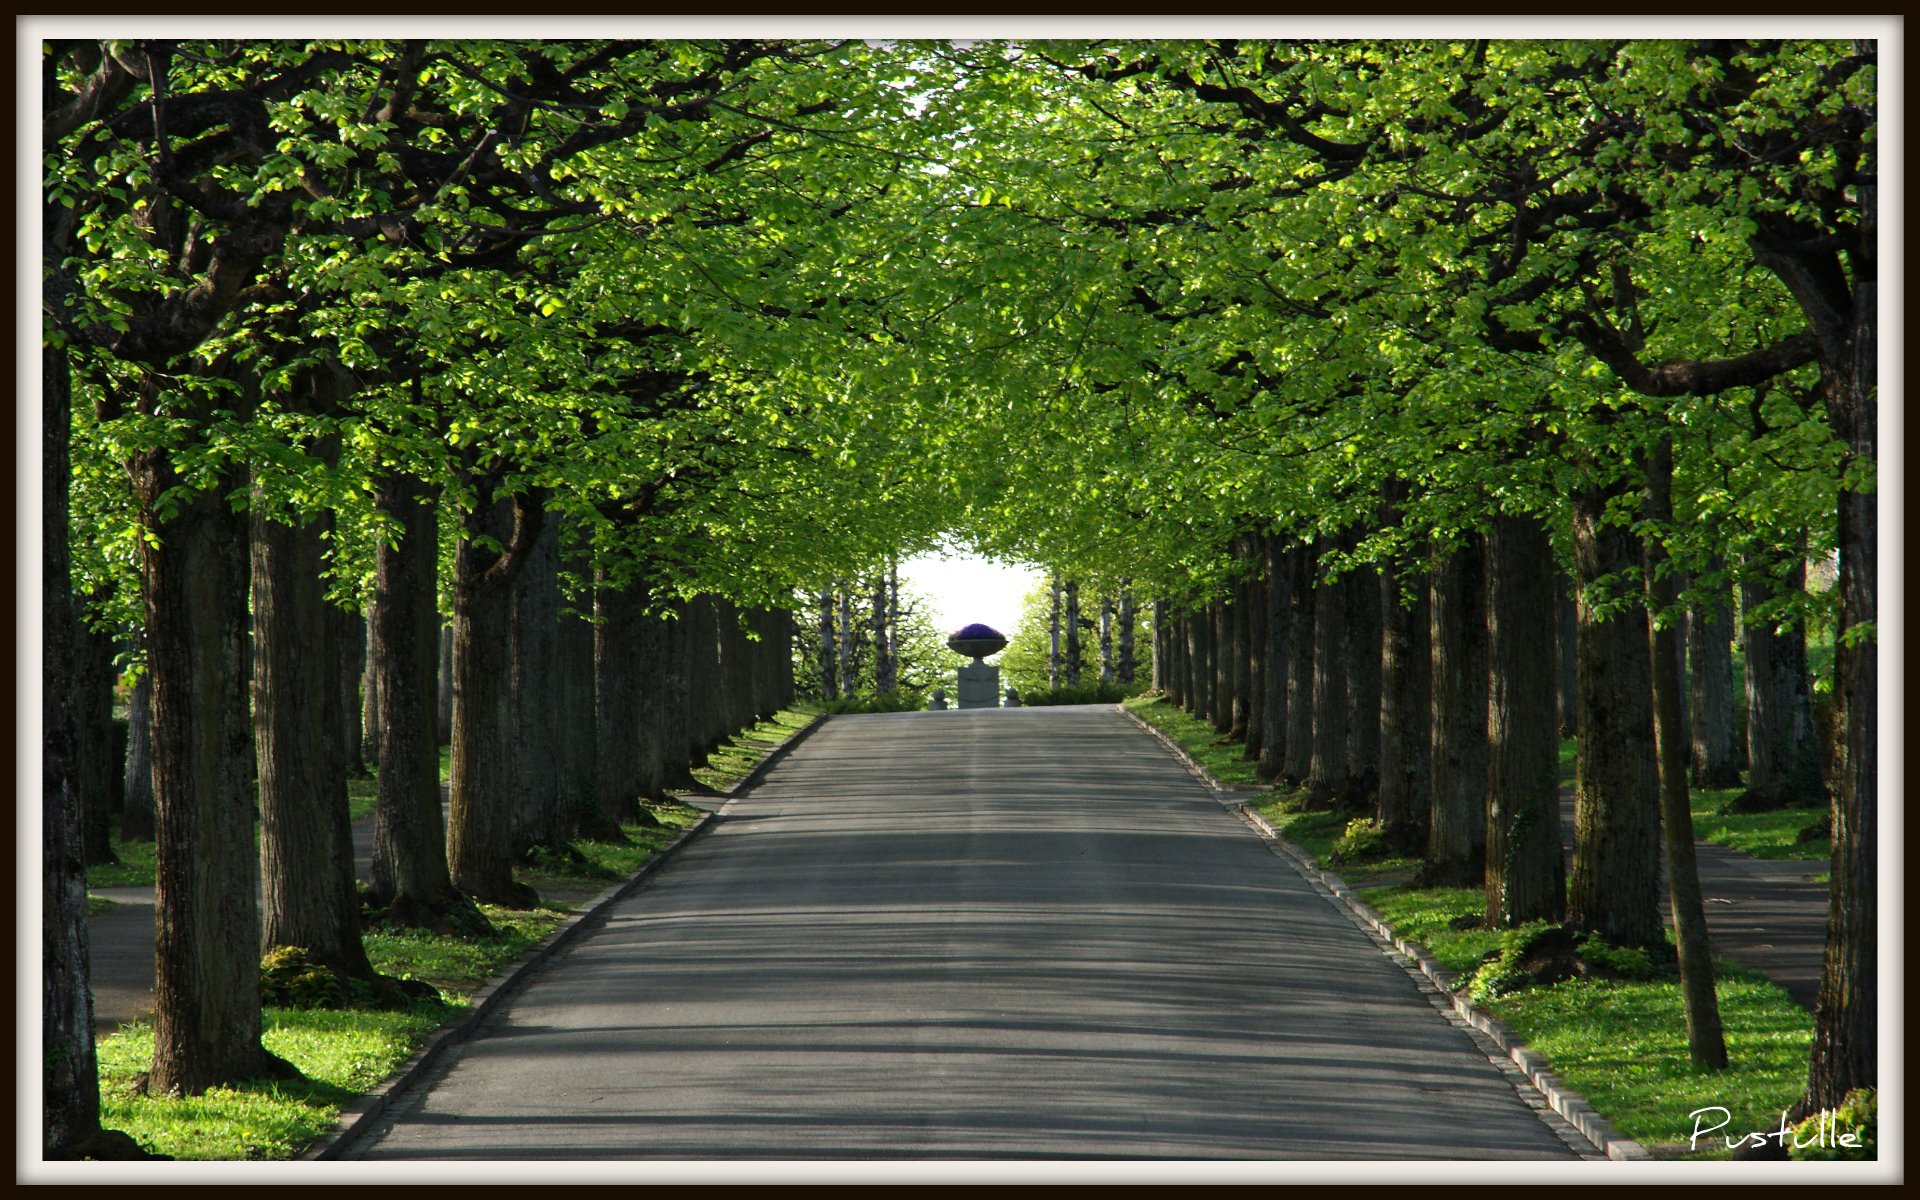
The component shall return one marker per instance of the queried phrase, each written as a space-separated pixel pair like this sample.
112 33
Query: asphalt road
991 933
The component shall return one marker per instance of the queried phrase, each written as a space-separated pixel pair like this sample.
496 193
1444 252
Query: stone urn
977 641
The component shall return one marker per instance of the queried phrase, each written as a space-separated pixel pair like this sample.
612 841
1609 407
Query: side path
120 942
990 933
1762 913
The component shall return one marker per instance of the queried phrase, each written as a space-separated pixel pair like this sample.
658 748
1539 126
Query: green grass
346 1053
1622 1045
1221 757
727 767
99 904
342 1054
1763 834
135 868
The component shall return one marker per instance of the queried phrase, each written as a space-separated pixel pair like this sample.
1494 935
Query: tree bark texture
353 643
1457 837
1238 661
573 668
370 701
410 876
1565 656
1614 887
533 679
1783 757
1362 589
69 1074
1128 666
829 657
1300 599
206 922
1406 721
443 712
1526 877
1053 634
1327 771
1072 616
136 815
92 684
618 644
1253 606
306 838
480 841
1846 1030
1715 759
1276 629
1705 1042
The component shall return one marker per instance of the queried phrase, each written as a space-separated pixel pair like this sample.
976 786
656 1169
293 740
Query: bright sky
965 588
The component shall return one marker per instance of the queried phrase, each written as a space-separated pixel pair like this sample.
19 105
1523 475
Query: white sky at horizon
965 588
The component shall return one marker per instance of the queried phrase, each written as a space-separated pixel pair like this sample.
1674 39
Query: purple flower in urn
977 641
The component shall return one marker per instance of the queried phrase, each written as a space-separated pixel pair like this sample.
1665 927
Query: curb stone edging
1569 1104
360 1116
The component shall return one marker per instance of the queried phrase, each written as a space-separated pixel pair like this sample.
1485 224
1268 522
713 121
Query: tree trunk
206 870
1129 664
1846 1030
1705 1043
1783 757
410 877
92 684
676 695
306 840
1526 877
573 671
1253 604
658 656
1715 760
480 843
1053 635
533 681
1236 678
1362 589
1614 887
619 643
370 701
829 677
1457 838
1406 720
849 678
1565 627
1224 653
1298 759
882 664
1073 633
69 1075
443 710
1327 771
354 645
1106 639
1276 650
136 811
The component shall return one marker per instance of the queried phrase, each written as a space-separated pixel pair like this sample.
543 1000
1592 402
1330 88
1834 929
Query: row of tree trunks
411 878
306 841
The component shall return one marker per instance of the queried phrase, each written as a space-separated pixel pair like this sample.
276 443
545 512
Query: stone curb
360 1116
1569 1104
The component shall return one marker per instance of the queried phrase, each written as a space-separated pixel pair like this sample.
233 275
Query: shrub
1364 839
1857 1114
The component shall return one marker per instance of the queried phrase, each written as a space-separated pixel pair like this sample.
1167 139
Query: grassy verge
728 766
1221 756
1763 835
1622 1044
135 868
344 1053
